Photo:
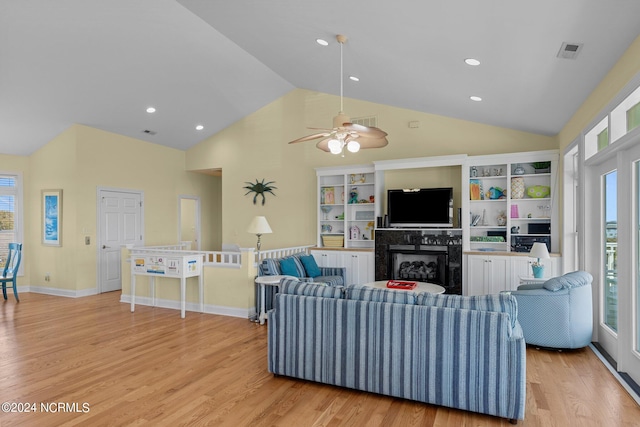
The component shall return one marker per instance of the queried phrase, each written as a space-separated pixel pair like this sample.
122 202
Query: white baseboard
69 293
163 303
190 306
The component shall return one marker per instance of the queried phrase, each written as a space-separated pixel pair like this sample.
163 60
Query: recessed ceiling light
472 61
199 127
354 78
475 98
322 42
151 110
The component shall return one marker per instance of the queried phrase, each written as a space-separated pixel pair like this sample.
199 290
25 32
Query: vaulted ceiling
212 62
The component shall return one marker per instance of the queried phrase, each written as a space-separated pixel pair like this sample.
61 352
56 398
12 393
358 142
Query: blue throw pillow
288 267
554 284
310 266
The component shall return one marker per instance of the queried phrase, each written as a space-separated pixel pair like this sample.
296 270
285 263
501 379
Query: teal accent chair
557 313
10 271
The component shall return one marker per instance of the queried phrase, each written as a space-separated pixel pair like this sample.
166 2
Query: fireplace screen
421 266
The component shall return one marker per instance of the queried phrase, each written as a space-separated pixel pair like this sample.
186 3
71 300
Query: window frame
18 218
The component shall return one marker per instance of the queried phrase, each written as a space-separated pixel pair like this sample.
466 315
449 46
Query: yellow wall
81 160
54 167
256 148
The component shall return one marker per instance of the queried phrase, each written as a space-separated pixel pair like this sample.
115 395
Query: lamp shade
539 250
259 225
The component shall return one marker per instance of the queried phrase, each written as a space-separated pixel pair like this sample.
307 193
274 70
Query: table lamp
259 226
539 251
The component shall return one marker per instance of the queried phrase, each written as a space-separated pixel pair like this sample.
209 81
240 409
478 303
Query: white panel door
120 222
359 267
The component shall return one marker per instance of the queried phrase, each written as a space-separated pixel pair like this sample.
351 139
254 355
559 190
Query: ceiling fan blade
310 137
371 142
324 145
365 130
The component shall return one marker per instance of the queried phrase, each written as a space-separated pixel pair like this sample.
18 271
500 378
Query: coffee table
421 286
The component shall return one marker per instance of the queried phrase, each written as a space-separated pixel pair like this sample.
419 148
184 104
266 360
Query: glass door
610 249
612 246
601 246
630 338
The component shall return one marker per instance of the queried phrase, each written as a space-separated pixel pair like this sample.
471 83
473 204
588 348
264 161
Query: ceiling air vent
569 50
149 132
370 121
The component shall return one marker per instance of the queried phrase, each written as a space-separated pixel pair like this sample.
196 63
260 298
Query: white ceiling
212 62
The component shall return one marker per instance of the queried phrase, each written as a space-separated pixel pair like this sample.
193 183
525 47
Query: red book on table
399 284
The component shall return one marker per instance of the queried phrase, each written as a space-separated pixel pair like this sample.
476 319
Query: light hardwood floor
153 368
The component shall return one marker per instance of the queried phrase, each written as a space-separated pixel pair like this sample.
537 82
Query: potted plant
541 167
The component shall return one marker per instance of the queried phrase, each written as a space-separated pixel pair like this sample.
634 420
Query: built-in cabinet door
477 275
359 264
493 274
328 258
499 275
359 267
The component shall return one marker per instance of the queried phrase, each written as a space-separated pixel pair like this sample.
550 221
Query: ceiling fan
344 133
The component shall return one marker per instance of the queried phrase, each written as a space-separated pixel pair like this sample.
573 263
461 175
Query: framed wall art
52 217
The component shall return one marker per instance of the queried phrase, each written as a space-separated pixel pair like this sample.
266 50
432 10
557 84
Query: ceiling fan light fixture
353 146
335 146
344 133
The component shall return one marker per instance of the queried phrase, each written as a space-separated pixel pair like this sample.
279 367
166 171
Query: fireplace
433 256
422 263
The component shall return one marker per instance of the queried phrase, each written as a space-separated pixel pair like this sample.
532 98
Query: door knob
105 246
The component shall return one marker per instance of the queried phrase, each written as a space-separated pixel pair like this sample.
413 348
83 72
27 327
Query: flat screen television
420 207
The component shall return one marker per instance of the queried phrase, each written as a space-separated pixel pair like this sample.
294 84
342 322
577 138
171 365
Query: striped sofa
305 268
449 350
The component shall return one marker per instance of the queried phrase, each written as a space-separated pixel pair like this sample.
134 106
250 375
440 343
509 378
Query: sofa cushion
310 265
503 303
296 287
270 267
330 280
291 266
367 293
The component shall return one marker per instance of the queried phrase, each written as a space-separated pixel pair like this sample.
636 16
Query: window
570 261
10 212
626 116
597 138
633 117
603 139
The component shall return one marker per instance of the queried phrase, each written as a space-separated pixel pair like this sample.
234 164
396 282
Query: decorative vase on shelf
517 187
